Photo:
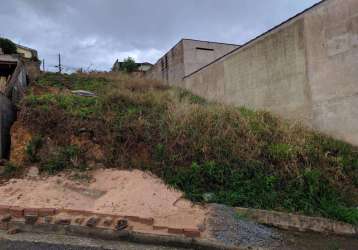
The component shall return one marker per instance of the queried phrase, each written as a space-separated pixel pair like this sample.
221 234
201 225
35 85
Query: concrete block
31 211
175 230
17 212
4 209
191 232
147 221
43 212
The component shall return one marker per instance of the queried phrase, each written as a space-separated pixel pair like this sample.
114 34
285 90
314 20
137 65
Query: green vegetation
7 46
79 106
238 156
128 66
73 81
63 158
33 147
10 170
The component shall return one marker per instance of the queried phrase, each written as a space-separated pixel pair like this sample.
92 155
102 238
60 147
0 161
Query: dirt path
131 193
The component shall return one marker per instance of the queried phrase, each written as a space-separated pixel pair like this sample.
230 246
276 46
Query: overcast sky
93 33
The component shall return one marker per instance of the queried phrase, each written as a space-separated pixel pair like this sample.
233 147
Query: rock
6 218
48 219
79 220
108 222
63 221
224 225
31 219
208 197
121 224
33 172
84 93
92 222
14 230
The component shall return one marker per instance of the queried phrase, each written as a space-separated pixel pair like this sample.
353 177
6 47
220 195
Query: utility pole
43 65
59 63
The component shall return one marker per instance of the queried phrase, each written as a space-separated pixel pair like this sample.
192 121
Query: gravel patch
227 226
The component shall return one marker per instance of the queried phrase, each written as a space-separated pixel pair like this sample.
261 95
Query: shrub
129 65
32 148
10 170
281 152
64 158
7 46
254 186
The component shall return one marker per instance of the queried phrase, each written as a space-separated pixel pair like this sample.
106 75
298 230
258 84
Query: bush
7 46
10 170
64 158
254 185
129 65
33 147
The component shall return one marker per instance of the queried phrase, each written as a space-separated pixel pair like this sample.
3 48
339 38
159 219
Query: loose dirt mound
132 193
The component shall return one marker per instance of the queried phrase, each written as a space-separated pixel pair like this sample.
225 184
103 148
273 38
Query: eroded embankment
129 193
211 152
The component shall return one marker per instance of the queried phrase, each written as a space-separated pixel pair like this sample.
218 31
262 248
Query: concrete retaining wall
304 69
7 117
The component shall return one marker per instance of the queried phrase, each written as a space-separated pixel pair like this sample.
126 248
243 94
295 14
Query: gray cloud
93 33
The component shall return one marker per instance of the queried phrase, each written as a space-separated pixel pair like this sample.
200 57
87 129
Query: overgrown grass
233 155
63 158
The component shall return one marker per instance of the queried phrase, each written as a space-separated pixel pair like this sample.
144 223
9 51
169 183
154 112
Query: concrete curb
71 214
135 237
101 226
300 223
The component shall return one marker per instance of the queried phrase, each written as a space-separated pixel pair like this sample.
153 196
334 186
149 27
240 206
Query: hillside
213 153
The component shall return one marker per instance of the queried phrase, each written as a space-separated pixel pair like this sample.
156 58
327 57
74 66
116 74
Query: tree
7 46
129 65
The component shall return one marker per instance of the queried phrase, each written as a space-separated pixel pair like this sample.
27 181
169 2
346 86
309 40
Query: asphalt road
28 241
17 245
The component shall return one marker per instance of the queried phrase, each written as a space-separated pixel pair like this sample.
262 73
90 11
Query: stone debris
48 219
92 222
226 226
121 225
63 221
79 220
31 219
12 231
108 222
84 93
6 218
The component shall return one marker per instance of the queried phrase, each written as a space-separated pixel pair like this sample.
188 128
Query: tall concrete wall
169 68
186 57
305 69
7 117
198 54
331 33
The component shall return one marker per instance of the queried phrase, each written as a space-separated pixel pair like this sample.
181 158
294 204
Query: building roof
24 47
8 59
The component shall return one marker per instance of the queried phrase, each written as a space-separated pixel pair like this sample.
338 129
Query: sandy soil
111 192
